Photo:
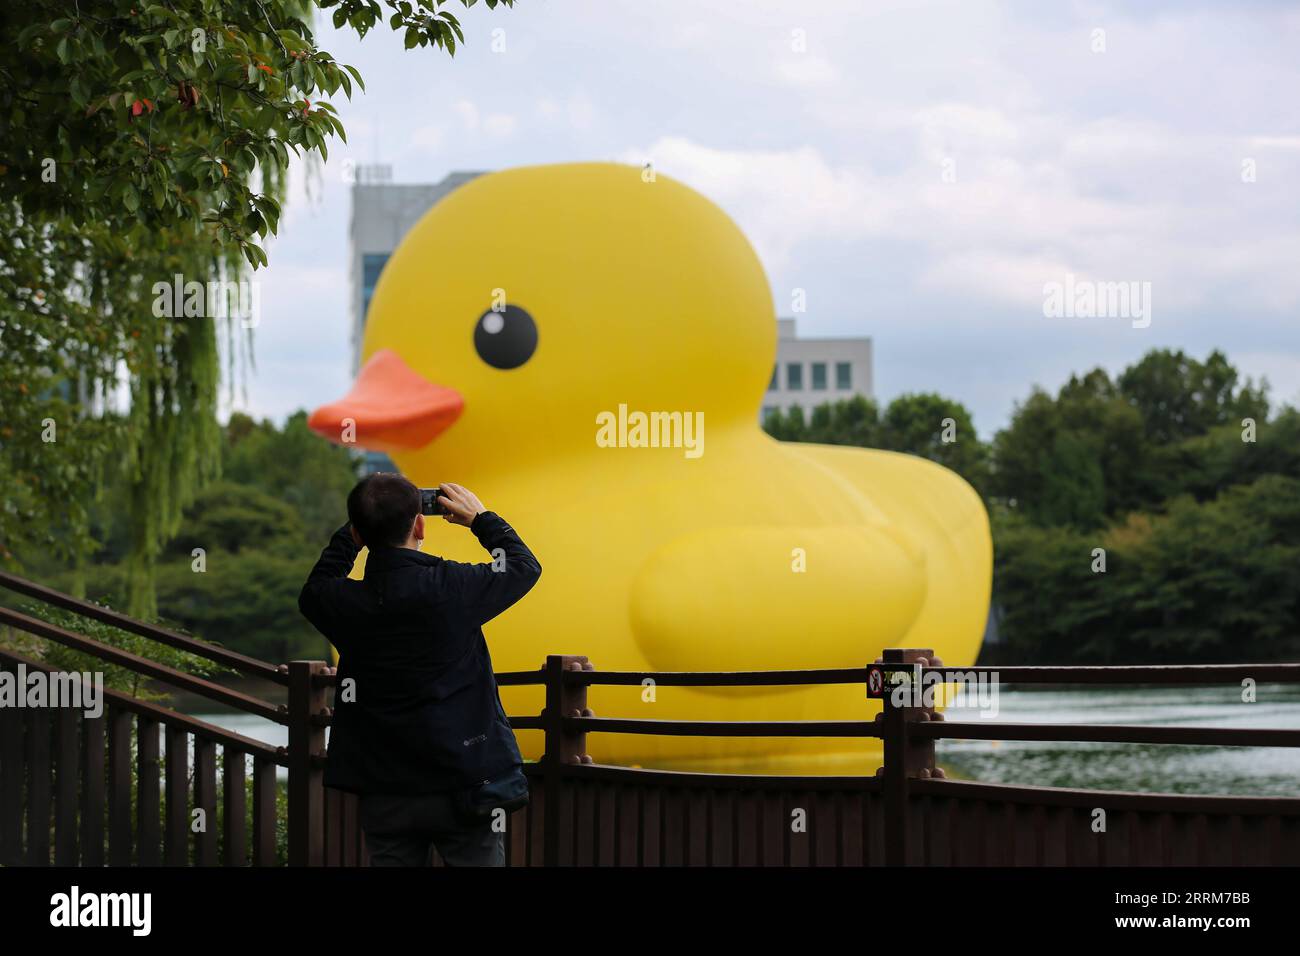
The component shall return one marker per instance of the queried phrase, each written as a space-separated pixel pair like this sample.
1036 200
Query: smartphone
429 503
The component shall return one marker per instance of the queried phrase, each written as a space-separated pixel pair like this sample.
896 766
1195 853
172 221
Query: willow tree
141 142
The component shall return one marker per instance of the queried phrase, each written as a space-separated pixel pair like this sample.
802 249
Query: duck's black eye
505 339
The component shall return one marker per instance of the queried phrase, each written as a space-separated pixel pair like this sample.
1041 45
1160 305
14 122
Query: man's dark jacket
426 715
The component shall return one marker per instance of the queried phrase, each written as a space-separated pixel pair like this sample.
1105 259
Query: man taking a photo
418 729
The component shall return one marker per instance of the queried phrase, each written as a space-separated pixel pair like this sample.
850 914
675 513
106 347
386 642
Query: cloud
429 138
780 198
1275 142
499 125
839 165
576 111
1012 279
804 69
1006 203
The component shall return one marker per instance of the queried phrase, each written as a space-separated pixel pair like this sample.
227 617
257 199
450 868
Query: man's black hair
382 508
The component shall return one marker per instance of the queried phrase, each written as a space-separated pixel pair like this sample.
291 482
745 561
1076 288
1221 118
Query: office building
811 372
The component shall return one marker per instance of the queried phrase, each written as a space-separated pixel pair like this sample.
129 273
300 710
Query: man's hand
459 504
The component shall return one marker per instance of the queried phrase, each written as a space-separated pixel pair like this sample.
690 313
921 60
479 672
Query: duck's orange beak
391 407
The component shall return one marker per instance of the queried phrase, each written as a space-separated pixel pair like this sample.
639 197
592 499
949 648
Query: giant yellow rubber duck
586 347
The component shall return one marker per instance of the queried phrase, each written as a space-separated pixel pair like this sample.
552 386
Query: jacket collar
383 560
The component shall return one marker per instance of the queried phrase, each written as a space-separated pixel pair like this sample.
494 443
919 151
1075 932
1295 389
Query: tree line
1149 517
1146 518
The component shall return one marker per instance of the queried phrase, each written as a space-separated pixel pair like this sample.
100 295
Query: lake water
1164 768
1252 771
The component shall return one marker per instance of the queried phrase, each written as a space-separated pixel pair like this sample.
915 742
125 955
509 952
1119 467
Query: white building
810 372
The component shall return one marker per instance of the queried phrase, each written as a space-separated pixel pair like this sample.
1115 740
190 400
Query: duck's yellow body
725 550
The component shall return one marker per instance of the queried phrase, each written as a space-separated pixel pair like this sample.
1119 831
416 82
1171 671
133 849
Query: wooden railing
139 783
78 778
909 813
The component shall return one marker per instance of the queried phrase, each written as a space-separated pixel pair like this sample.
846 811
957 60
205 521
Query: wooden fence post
11 786
306 742
563 699
905 756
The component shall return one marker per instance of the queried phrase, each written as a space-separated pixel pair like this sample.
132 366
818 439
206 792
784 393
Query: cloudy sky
921 170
